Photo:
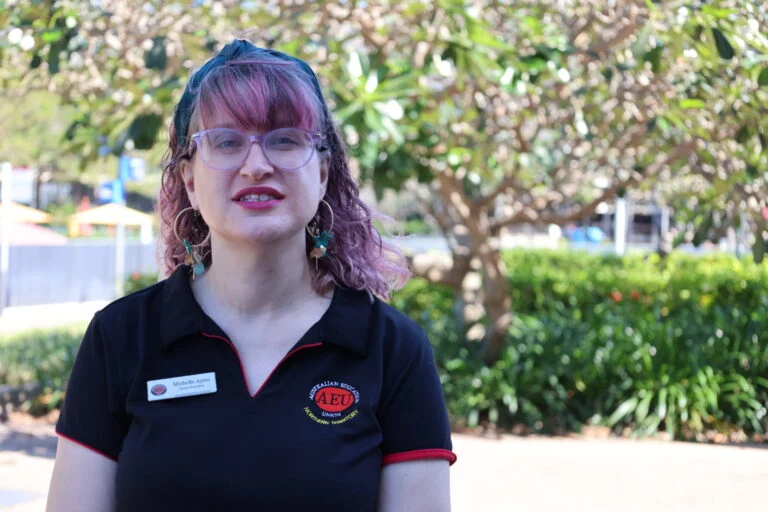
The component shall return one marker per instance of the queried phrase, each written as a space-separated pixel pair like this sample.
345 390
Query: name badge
176 387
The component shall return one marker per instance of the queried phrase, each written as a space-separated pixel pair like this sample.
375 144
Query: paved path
510 475
580 475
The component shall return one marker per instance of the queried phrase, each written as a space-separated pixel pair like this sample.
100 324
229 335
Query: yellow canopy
25 214
112 214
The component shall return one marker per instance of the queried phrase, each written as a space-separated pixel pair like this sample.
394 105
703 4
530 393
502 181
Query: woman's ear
325 167
188 176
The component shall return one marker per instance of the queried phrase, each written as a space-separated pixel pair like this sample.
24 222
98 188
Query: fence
76 272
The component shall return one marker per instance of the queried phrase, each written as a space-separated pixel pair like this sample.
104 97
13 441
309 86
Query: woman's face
229 200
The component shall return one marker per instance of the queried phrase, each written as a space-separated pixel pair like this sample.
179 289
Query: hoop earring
322 238
192 257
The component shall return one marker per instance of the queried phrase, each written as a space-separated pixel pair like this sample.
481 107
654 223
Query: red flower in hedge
135 276
616 296
635 295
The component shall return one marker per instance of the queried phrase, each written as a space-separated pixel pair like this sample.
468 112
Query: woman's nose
256 164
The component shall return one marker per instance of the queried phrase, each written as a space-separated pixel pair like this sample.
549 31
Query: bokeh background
580 187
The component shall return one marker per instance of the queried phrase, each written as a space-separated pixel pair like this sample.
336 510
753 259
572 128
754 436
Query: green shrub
416 227
138 281
675 345
44 357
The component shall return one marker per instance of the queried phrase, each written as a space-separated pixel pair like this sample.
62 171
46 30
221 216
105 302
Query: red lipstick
253 198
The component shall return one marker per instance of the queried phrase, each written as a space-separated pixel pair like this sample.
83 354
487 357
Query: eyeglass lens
225 148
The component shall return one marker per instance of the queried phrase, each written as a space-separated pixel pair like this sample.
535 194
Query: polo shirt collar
345 323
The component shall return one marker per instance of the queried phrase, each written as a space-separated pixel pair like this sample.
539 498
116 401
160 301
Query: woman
263 374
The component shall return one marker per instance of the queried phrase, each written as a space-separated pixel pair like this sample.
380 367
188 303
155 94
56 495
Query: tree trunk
485 295
497 303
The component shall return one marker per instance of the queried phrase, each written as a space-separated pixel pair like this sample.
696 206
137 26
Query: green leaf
692 103
627 407
743 134
391 127
373 119
661 410
345 113
535 63
724 48
759 249
144 130
654 57
51 36
716 12
638 47
53 60
482 37
763 78
156 57
533 24
642 409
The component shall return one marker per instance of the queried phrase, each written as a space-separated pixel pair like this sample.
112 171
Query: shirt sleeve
93 414
412 411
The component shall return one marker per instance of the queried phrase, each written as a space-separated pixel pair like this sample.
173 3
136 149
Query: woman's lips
258 205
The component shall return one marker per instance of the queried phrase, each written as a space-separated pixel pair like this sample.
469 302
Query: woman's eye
228 143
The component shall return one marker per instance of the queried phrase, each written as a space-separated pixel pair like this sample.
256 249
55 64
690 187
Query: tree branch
529 215
509 181
452 192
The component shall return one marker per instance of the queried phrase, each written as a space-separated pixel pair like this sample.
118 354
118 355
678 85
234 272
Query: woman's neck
244 282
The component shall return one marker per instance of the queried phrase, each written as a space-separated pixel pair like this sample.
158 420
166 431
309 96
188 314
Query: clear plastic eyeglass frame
313 139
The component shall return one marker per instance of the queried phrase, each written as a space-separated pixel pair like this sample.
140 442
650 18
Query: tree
498 114
31 132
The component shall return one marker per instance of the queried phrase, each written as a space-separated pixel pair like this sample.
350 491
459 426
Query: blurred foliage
61 212
138 281
31 133
548 95
42 356
674 345
417 227
496 113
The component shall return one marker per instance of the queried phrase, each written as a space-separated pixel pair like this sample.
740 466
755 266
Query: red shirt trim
433 453
242 366
86 446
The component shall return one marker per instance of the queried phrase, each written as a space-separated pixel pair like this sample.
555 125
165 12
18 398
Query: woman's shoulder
134 302
368 320
396 320
395 331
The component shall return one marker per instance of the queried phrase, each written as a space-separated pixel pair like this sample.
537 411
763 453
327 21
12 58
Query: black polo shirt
359 390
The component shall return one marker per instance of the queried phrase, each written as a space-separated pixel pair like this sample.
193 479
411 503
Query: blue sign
130 168
111 192
124 168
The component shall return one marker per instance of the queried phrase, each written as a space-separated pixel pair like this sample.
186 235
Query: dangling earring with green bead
322 239
192 257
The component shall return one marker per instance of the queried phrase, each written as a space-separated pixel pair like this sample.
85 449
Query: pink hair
263 94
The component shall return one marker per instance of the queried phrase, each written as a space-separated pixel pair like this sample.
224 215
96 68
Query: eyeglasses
226 149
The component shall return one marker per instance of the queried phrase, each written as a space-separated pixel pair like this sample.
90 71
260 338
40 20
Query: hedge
676 345
43 357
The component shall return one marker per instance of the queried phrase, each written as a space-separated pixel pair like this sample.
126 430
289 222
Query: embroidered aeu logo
332 403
